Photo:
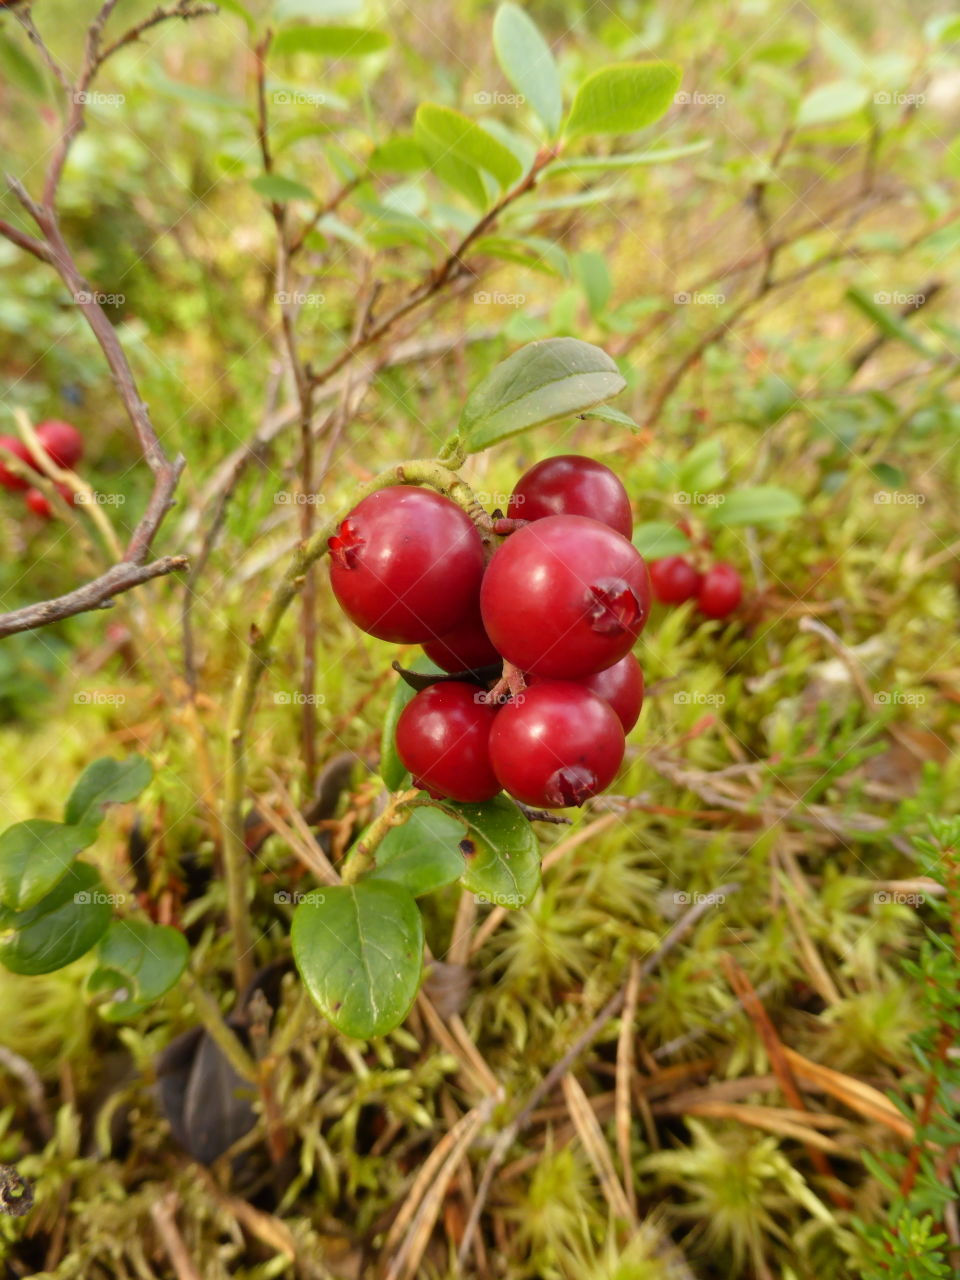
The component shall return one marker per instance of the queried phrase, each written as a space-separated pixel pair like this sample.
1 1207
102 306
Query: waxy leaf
760 504
106 782
60 928
440 129
501 851
331 42
35 856
138 962
528 64
623 98
275 187
542 381
656 538
834 101
359 949
423 854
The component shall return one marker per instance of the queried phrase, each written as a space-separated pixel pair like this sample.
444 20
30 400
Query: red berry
720 591
620 685
556 744
38 504
565 596
62 441
674 580
572 486
443 738
406 565
14 445
466 648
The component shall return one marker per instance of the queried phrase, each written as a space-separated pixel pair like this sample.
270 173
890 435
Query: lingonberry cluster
534 622
717 590
62 443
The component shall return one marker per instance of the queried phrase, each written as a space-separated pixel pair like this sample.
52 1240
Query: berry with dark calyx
570 485
406 564
556 744
466 648
62 442
565 597
674 580
443 738
14 445
721 591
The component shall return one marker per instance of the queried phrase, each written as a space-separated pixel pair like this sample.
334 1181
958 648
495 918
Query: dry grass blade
858 1096
782 1120
625 1073
477 1075
591 1135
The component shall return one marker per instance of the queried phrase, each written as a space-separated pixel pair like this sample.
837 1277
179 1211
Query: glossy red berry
14 445
721 591
466 648
556 744
39 504
620 685
674 580
564 597
569 485
443 738
62 441
406 564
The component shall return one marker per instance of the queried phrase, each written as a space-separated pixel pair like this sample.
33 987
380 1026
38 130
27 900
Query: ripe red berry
720 591
38 504
443 738
674 580
62 441
406 565
14 445
565 596
570 485
556 744
620 685
466 648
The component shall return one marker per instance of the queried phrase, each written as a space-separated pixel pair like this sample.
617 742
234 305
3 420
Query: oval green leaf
529 65
834 101
440 129
138 962
761 504
275 187
623 98
61 927
656 538
503 866
423 854
103 783
542 381
34 857
629 159
331 42
359 949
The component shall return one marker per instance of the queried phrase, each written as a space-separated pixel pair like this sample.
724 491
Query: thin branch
184 9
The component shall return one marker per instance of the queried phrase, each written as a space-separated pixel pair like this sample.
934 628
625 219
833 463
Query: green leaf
359 949
623 98
593 276
35 856
833 101
542 381
19 68
629 159
655 539
533 252
459 176
137 963
528 64
284 10
885 318
105 782
331 42
607 413
275 187
945 28
60 928
392 769
442 130
504 866
234 6
761 504
423 854
399 154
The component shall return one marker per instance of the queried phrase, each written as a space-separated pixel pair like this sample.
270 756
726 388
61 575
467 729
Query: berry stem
362 857
510 684
259 657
